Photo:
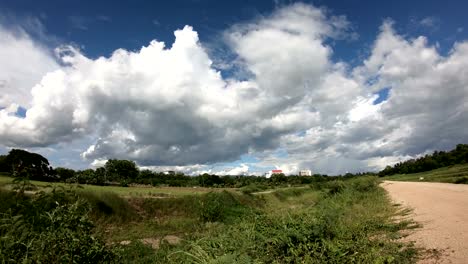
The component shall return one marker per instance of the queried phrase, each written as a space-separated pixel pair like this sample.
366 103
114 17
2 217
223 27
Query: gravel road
442 209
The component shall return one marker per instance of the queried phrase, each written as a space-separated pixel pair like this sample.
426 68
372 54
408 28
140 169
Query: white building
305 173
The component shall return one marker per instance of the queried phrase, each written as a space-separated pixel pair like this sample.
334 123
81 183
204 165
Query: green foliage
351 224
278 179
334 187
463 180
354 225
282 195
252 188
451 174
64 174
25 164
120 170
218 207
364 184
137 251
169 207
4 167
108 207
207 180
49 227
438 159
125 173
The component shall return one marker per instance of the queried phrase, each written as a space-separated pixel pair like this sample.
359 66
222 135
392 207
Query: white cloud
426 109
168 106
430 22
98 163
24 63
242 169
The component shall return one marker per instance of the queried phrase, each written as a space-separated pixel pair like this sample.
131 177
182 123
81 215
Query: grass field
6 181
338 222
350 221
451 174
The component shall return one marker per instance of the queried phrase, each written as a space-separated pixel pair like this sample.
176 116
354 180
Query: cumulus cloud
426 109
168 107
24 63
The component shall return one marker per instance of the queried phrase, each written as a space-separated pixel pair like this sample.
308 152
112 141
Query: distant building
270 173
305 173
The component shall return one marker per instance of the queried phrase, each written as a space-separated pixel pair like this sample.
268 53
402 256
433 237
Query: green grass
350 221
351 224
451 174
5 181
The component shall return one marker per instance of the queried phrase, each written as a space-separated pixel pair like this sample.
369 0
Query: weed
49 227
341 228
463 180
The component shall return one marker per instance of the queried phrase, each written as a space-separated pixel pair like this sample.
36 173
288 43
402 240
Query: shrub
364 184
219 207
350 226
50 227
463 180
109 207
284 194
335 187
252 188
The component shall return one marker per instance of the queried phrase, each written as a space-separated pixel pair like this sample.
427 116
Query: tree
3 164
64 173
99 176
27 164
85 176
278 178
207 180
117 170
438 159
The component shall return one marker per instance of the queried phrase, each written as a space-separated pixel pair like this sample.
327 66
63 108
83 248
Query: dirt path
442 209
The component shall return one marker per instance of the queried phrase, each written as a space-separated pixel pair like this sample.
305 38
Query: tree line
436 160
21 163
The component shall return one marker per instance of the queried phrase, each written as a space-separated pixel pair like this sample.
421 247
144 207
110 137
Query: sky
233 87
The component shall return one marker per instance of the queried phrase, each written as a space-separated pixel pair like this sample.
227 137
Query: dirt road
442 209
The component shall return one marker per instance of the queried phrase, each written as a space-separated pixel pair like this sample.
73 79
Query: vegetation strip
338 221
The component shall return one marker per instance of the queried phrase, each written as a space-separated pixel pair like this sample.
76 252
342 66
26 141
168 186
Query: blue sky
100 27
364 55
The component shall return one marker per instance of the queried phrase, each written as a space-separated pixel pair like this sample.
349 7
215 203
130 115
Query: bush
109 207
219 207
350 226
252 188
50 228
463 180
284 194
335 187
364 184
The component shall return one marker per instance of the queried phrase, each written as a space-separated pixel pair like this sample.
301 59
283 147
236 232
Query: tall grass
108 207
334 222
49 227
349 224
